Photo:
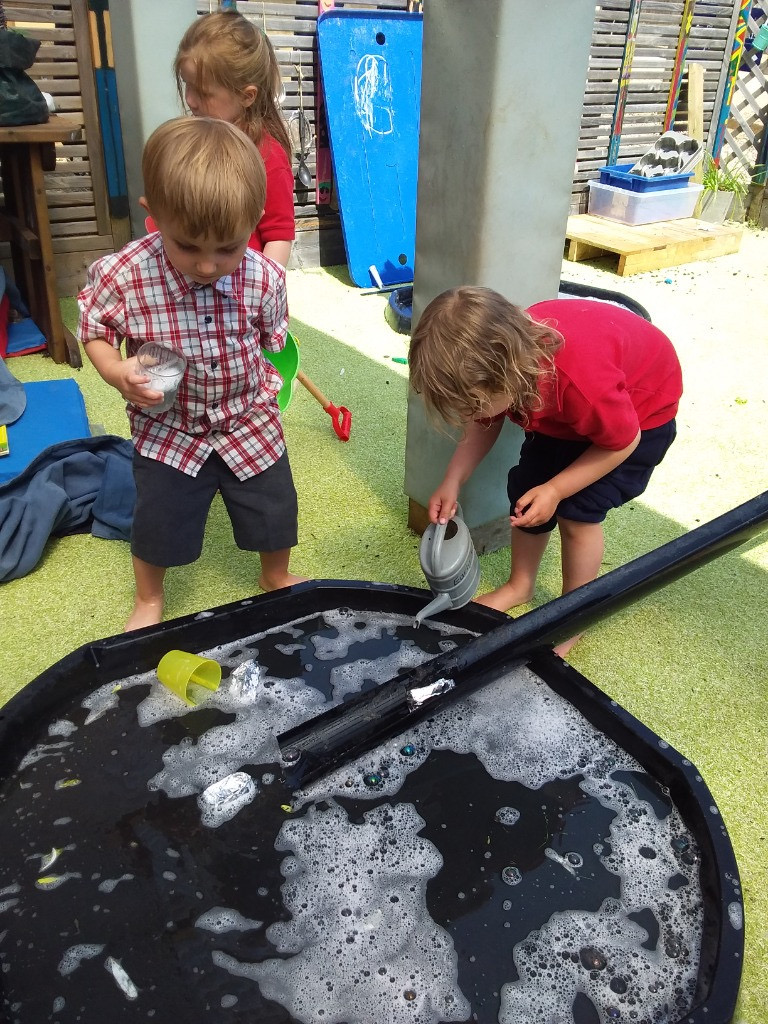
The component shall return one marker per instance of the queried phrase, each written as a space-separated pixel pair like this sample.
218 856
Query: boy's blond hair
472 345
229 51
206 176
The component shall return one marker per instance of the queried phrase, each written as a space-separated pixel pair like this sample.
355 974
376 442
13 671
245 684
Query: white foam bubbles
348 678
62 727
360 904
265 706
74 956
225 919
260 712
43 750
101 700
523 732
352 627
600 955
110 884
507 815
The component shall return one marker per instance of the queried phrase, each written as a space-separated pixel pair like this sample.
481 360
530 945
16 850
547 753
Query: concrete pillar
501 102
145 35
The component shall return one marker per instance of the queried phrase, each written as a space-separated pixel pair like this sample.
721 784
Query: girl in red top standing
226 68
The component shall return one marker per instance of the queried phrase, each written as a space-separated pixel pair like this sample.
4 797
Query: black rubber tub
516 847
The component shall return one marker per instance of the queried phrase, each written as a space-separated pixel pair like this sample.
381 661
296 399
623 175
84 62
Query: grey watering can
449 562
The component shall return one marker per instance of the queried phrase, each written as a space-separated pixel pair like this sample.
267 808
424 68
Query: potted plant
724 195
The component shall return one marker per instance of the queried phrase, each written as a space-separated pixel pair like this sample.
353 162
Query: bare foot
145 613
507 596
287 579
563 648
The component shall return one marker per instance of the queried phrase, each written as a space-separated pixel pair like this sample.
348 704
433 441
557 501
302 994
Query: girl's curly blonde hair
229 51
471 345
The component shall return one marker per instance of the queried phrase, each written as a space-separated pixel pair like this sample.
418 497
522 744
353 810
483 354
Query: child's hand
130 382
536 506
443 503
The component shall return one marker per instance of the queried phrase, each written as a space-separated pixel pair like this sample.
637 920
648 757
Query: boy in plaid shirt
196 287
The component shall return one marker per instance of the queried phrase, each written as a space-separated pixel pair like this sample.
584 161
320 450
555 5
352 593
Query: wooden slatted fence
77 188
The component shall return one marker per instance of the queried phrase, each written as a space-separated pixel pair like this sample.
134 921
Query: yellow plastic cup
187 675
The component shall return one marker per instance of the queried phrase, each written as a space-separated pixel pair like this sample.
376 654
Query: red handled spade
341 417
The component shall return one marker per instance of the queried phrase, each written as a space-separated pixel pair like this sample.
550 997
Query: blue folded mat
25 337
55 411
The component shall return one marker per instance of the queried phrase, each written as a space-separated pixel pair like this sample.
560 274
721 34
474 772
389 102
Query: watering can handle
437 546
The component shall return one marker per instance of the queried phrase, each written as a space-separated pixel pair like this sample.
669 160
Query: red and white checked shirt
227 400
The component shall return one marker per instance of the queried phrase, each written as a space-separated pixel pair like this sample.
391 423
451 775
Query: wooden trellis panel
746 125
77 198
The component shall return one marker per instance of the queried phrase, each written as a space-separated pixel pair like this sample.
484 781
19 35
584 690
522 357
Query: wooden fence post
695 104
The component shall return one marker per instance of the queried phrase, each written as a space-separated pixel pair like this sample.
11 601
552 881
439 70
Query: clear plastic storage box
642 207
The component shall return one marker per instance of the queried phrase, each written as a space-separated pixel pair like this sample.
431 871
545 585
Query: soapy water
378 928
503 860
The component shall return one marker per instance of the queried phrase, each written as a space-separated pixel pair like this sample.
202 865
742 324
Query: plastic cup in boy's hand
188 675
165 367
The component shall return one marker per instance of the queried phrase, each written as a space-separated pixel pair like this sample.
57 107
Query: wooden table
26 152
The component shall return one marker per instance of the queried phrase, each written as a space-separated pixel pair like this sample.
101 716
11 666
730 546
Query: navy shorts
172 507
543 457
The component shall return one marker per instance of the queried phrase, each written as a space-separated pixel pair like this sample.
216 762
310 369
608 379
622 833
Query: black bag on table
21 101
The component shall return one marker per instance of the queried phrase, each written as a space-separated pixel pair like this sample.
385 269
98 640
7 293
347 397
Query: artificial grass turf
689 661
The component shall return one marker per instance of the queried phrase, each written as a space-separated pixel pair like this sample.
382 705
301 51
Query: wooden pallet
649 246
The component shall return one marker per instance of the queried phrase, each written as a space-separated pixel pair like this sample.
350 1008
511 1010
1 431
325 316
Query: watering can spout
439 604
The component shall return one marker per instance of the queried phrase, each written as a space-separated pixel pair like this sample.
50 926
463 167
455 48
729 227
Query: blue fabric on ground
13 397
58 492
55 412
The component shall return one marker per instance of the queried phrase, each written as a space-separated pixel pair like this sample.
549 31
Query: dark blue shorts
543 457
172 507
